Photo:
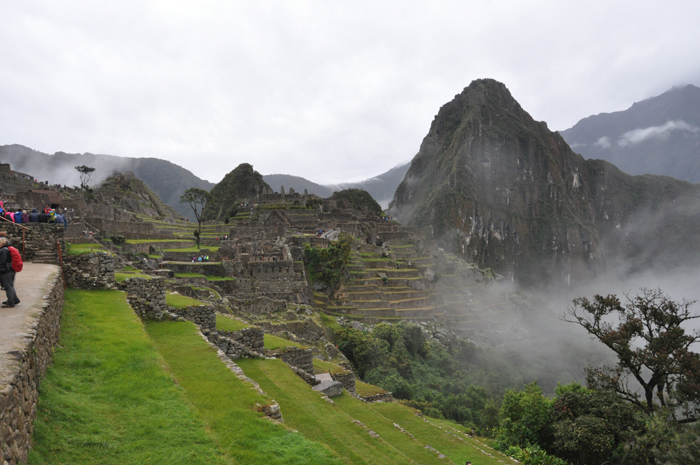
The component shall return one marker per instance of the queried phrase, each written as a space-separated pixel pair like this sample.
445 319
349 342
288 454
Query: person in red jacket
7 274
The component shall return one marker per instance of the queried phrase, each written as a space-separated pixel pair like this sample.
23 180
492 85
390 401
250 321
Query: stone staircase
45 256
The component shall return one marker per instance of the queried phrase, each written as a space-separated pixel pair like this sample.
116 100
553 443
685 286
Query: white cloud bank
653 132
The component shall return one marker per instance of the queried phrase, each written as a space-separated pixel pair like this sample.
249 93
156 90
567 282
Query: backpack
16 259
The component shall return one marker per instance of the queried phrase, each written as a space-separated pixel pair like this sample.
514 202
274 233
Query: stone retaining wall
203 316
259 305
310 379
300 358
128 229
386 397
146 297
307 331
205 268
39 238
244 343
18 386
348 380
94 270
145 247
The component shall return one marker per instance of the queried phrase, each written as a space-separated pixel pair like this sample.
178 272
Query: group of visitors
201 258
47 215
7 273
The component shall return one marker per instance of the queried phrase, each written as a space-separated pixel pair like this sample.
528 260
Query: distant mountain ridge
166 179
381 187
660 135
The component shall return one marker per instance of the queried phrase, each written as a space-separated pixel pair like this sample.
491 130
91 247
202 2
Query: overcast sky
332 91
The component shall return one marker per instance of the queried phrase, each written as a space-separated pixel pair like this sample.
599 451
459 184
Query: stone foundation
18 386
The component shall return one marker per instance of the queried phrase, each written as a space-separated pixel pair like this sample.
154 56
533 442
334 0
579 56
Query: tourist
47 208
61 218
18 216
25 216
34 216
7 274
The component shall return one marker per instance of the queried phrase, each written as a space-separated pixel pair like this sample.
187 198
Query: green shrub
117 240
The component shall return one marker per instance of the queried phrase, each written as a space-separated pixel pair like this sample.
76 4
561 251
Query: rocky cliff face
499 188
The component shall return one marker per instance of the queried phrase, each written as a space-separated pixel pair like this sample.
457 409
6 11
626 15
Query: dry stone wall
19 384
244 343
94 270
300 358
307 330
40 239
147 297
259 305
203 316
347 379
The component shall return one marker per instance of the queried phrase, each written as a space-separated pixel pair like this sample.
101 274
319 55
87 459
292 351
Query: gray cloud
335 92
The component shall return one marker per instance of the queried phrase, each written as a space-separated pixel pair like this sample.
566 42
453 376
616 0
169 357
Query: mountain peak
497 187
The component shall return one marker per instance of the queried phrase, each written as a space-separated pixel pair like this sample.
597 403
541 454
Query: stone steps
46 257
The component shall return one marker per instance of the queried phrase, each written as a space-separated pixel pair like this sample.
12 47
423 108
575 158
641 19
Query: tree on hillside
85 173
197 198
591 426
653 349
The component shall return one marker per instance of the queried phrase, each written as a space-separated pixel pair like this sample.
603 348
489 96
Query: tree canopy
653 350
197 198
85 173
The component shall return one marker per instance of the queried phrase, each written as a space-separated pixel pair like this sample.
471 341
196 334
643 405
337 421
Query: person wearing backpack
7 274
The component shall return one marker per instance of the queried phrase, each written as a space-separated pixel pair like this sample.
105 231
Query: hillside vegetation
117 394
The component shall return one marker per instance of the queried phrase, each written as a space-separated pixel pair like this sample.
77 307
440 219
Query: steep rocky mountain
501 189
381 187
166 179
660 135
241 184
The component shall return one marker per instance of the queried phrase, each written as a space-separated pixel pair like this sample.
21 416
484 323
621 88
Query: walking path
31 284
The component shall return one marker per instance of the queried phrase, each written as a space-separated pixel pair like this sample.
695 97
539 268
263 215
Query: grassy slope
305 411
107 398
227 404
